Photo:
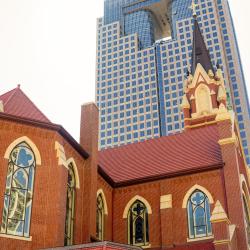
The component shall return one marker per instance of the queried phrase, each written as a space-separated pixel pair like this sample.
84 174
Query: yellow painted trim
223 116
221 242
30 143
100 192
130 203
226 141
72 161
199 100
147 246
166 201
200 239
192 189
16 237
201 124
221 220
199 71
244 183
60 154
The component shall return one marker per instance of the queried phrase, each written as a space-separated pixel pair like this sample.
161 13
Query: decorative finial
193 8
19 86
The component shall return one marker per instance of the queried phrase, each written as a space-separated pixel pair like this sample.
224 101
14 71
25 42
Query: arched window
70 206
138 231
198 209
19 191
247 219
99 217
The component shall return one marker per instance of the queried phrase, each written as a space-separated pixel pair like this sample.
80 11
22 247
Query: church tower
204 90
204 103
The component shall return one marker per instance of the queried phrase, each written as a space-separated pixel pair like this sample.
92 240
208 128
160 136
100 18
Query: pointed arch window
247 219
19 191
70 206
138 230
198 209
100 217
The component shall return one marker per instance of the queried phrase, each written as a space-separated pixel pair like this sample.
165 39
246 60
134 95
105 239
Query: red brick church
180 192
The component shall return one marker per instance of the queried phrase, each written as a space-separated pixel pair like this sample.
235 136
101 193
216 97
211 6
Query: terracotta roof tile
17 103
169 155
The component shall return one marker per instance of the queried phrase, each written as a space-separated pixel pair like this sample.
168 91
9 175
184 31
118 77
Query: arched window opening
198 209
19 191
247 219
70 207
138 230
100 218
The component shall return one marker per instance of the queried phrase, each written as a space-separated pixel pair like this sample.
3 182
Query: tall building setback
144 50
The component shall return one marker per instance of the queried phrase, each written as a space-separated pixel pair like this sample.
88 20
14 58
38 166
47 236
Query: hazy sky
48 46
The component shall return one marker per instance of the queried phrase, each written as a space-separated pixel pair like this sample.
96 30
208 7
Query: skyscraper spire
200 53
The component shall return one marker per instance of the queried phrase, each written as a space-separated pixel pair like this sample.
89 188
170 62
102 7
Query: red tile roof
17 103
166 156
104 245
195 246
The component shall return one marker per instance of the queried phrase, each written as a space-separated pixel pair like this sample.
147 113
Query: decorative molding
60 154
200 125
77 179
199 72
226 141
196 115
232 231
203 100
223 114
166 201
130 203
222 96
219 214
212 92
192 98
100 192
200 239
30 143
16 237
192 189
221 242
185 103
1 106
145 247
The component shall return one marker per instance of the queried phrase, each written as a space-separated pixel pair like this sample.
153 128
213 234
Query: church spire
200 53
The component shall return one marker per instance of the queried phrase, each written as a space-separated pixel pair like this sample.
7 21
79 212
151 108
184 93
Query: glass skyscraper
143 53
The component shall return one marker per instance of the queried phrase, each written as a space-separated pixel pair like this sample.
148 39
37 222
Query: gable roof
16 103
187 152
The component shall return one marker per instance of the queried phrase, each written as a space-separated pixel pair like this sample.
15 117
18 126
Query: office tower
143 51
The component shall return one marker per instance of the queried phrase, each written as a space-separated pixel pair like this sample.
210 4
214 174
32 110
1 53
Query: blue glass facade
140 75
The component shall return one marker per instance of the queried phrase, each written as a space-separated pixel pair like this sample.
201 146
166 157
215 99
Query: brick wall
167 227
49 201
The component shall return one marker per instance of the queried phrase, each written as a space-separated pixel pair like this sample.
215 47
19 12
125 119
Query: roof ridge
35 106
16 97
10 97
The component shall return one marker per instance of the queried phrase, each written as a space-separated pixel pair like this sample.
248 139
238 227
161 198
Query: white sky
48 46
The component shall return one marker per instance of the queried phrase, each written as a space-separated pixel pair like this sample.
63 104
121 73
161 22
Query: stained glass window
70 207
19 191
198 209
138 224
99 217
